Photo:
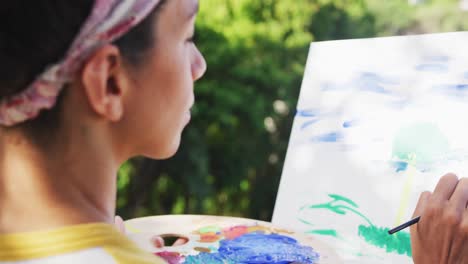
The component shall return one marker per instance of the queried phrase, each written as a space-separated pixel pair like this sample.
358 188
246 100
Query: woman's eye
192 39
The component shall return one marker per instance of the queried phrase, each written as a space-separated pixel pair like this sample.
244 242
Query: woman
85 85
118 78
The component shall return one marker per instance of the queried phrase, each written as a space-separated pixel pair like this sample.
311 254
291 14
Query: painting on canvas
378 121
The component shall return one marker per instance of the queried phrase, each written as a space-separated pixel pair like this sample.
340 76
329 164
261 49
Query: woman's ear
103 82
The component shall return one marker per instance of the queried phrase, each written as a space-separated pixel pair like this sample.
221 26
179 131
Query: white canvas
378 122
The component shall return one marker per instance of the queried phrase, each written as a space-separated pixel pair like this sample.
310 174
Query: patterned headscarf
109 20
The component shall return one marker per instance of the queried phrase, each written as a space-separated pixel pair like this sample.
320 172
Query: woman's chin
165 152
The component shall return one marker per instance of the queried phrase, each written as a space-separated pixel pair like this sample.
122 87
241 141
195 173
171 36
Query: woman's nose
198 65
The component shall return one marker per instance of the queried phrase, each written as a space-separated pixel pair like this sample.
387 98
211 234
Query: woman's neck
71 184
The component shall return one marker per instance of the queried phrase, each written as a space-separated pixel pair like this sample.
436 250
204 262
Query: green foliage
396 17
232 153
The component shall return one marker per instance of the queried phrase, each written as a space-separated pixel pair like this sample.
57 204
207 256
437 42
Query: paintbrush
405 225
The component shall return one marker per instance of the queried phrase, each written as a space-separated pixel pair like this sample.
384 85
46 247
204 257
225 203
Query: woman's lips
188 116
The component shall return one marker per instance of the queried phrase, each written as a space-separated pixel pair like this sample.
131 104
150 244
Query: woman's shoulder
88 243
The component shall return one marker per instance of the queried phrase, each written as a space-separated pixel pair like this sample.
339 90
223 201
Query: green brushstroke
304 221
349 249
397 243
337 198
420 143
339 209
324 232
377 236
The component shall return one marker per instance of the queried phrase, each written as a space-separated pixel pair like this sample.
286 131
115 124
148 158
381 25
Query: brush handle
403 226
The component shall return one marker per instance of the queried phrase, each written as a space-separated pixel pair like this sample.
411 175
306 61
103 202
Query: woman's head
160 91
138 89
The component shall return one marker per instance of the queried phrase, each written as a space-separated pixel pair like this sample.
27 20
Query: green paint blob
210 229
420 144
399 243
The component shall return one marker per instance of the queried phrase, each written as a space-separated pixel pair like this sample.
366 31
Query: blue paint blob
207 258
330 137
258 248
255 248
432 67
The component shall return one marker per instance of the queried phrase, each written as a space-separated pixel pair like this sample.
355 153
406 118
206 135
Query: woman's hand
119 224
441 236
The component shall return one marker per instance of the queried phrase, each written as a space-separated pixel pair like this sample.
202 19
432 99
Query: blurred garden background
232 153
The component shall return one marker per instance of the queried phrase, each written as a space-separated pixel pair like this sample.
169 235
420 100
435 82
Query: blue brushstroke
366 81
309 123
432 67
372 82
441 58
398 105
454 90
256 248
400 166
465 75
329 137
306 113
458 87
371 76
349 124
326 87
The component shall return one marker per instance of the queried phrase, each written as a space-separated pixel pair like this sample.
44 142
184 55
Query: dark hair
35 34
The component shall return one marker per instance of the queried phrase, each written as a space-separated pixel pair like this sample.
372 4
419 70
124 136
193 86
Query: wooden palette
205 232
